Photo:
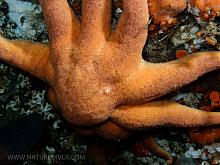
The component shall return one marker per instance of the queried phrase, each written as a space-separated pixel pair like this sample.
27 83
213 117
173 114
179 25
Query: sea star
206 5
97 77
165 12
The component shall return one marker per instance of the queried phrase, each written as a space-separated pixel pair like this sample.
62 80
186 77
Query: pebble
210 149
192 153
215 158
194 30
205 163
118 11
204 156
217 149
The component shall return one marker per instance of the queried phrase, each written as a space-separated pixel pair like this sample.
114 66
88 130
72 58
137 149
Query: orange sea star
165 12
97 77
205 5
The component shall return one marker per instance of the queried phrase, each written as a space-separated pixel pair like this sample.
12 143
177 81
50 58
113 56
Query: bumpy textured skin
97 77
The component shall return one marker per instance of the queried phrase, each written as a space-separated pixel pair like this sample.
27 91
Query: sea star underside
97 77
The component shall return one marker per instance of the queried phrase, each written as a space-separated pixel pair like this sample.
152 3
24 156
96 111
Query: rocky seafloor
21 94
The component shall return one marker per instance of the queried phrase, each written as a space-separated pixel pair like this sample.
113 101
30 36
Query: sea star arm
131 31
96 22
162 113
63 29
150 81
61 22
30 57
110 130
154 148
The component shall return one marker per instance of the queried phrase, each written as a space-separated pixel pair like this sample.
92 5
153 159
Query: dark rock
217 20
185 161
21 137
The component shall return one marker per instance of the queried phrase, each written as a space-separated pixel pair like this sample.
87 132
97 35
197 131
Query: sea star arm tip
131 31
61 22
154 148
